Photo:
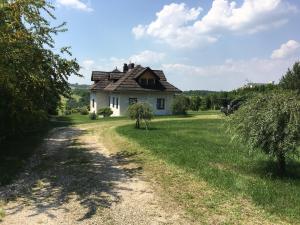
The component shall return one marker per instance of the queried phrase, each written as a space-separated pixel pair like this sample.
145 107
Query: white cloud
227 76
75 4
144 58
139 31
87 63
179 26
147 57
287 49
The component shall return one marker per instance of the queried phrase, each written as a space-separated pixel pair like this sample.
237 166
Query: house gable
149 80
135 79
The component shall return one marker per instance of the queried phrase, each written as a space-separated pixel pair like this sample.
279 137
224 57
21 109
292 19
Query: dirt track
73 179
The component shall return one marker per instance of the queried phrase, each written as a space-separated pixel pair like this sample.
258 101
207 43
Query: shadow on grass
68 170
142 128
269 168
15 151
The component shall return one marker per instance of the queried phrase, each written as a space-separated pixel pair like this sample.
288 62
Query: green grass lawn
201 147
77 118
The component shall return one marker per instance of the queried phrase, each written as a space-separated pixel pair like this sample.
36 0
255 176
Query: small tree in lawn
270 122
140 112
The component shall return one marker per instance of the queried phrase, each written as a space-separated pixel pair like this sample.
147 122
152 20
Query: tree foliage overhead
32 75
270 122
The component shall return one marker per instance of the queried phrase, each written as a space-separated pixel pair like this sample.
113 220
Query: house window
160 103
151 82
132 101
93 103
143 82
117 103
113 101
147 82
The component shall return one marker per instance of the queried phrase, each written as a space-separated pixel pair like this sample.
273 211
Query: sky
199 44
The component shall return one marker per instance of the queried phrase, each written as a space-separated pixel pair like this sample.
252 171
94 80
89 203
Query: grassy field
201 148
194 162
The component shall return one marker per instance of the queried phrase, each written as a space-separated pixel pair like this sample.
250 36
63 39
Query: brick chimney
125 68
131 66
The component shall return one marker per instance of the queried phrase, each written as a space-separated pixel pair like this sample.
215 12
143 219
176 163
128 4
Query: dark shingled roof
118 81
116 71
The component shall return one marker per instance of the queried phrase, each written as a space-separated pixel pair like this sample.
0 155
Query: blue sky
200 44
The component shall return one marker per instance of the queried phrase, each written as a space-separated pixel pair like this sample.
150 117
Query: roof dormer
148 79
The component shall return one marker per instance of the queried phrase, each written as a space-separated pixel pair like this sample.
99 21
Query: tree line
215 100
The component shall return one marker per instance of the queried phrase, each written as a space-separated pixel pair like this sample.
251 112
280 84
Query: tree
291 80
140 112
195 103
180 105
270 122
33 74
207 104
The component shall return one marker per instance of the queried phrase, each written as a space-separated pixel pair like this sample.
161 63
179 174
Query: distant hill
199 92
80 86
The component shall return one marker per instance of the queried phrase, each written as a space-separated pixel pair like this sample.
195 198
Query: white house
118 90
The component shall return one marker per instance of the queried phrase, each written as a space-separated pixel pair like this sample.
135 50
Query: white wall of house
114 104
150 98
101 100
119 102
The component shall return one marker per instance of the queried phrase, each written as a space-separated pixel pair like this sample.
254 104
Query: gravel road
74 179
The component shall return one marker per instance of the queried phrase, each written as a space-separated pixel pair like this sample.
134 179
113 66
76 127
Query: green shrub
105 112
93 116
75 110
140 112
34 121
180 105
84 111
68 112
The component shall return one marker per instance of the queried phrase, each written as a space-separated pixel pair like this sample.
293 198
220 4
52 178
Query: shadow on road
66 169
